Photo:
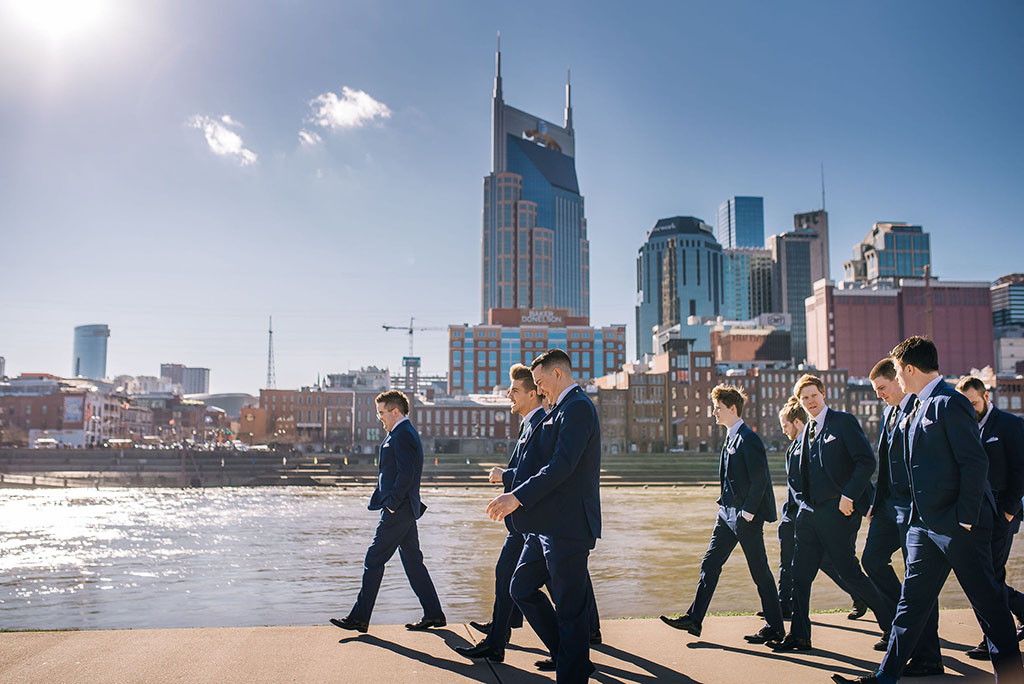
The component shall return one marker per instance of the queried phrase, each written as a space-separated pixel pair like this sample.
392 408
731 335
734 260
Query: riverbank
634 650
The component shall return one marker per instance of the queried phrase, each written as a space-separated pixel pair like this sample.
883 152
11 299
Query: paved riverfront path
634 651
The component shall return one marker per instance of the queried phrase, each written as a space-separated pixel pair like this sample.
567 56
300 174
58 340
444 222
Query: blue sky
115 209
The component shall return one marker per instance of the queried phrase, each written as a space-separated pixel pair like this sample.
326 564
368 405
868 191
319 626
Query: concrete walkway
639 651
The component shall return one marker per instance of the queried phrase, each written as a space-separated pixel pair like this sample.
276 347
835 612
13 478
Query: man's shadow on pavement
481 671
851 662
657 672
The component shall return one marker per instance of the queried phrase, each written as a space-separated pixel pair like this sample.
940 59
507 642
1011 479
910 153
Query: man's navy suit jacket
846 457
891 454
558 483
948 465
400 469
744 477
1003 437
792 504
519 451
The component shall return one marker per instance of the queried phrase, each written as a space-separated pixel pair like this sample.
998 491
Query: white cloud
353 109
222 141
309 138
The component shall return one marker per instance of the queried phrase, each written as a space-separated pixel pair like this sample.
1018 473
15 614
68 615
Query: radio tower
271 379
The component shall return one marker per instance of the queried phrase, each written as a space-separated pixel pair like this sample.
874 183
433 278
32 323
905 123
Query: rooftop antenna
271 377
823 186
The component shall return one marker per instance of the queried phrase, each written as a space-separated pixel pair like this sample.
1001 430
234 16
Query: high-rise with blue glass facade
740 222
678 274
535 247
889 251
748 283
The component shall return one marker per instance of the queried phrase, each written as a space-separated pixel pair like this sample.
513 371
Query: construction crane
410 329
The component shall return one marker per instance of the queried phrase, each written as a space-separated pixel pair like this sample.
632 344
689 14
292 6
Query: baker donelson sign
540 316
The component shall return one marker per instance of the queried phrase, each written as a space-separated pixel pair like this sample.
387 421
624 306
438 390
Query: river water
149 558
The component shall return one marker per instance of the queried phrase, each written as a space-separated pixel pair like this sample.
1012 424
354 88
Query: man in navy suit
526 403
1002 435
746 503
952 511
835 465
890 514
397 497
559 504
792 419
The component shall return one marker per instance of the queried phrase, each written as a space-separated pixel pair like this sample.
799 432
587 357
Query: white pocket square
925 422
830 438
549 422
991 439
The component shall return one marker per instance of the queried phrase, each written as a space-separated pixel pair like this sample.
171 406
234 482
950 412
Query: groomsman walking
560 506
526 403
1002 435
952 513
397 497
890 514
792 419
835 466
745 504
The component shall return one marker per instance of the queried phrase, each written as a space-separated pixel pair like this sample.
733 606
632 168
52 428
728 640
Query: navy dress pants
885 537
930 557
730 529
1002 540
826 531
396 531
787 544
564 628
505 613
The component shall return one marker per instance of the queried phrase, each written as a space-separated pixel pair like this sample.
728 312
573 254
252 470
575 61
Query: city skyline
182 190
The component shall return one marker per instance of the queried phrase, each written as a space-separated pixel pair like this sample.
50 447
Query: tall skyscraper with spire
535 247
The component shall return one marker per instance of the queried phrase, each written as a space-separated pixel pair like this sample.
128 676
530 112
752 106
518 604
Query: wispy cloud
222 141
353 109
309 138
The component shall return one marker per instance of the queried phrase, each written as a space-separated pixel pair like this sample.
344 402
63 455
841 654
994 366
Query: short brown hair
520 372
793 411
919 352
883 369
730 396
807 380
394 399
970 382
553 358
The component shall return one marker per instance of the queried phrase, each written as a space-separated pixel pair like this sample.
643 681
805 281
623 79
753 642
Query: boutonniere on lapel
829 438
731 450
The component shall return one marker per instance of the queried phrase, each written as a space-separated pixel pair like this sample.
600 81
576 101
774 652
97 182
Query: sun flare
59 19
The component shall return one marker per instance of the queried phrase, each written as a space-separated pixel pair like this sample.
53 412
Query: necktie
810 430
892 420
910 422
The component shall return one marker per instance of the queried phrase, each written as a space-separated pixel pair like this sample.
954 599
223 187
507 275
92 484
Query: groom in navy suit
746 503
397 497
526 403
559 504
952 512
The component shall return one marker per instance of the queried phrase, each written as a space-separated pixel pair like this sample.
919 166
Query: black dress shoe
484 627
882 644
979 652
866 679
916 668
426 623
349 623
765 635
685 622
546 665
792 643
481 650
595 638
858 611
